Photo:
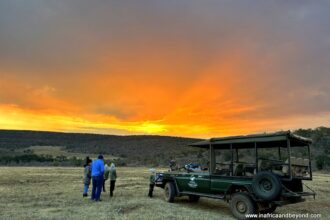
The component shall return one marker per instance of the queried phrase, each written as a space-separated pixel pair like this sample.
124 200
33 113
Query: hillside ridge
150 150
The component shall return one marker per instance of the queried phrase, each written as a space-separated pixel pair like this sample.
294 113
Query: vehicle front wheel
169 191
193 198
241 204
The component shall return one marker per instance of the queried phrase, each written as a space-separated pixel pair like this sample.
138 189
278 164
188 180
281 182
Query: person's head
89 161
152 170
112 166
100 157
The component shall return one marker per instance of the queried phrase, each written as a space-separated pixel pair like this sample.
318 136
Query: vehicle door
220 183
198 182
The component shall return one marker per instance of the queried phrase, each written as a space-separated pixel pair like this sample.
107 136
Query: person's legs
94 187
99 188
104 185
85 190
151 189
112 187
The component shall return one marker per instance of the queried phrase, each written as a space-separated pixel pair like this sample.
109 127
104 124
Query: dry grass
56 193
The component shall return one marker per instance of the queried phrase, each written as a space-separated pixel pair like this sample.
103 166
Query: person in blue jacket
97 177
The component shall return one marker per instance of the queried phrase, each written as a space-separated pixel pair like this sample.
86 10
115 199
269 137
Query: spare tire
266 186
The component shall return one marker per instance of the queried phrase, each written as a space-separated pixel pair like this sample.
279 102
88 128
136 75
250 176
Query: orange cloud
177 69
209 106
222 99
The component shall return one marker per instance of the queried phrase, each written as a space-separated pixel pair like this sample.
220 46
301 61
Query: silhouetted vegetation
320 147
150 150
146 150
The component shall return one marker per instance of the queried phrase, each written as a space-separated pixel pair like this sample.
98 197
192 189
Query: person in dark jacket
152 182
97 178
87 176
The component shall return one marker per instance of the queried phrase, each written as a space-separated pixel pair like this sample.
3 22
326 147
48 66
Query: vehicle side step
219 196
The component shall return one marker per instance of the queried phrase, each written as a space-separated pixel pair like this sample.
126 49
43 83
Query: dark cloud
280 50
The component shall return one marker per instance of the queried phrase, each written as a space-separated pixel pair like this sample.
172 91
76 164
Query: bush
120 162
322 162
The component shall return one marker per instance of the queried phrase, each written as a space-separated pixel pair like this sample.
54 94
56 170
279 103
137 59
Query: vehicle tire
266 186
193 198
242 204
169 192
269 210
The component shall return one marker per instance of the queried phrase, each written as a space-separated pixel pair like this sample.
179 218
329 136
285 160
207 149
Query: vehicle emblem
192 182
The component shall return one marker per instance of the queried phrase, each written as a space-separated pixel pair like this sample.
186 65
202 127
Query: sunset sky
185 68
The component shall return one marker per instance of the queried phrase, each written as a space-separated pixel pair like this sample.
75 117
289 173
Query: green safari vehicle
253 173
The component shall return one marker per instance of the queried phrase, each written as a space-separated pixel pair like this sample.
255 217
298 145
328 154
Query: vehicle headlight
159 177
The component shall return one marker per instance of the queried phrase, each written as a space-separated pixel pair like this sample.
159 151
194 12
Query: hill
22 147
136 149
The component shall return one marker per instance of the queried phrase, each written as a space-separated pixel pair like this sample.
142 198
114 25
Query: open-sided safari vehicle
253 173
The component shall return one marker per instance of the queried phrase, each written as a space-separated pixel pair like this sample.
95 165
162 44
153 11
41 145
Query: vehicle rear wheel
242 204
268 210
169 191
193 198
266 186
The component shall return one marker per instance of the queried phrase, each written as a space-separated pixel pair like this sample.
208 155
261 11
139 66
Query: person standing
87 176
113 177
173 166
152 182
106 175
97 178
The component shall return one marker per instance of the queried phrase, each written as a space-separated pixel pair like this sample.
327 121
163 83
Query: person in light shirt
106 175
113 177
152 179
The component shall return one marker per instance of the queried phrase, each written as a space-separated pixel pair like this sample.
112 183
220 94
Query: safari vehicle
253 173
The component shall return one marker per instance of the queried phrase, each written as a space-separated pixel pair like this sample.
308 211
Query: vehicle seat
285 168
264 165
299 166
249 174
249 170
238 169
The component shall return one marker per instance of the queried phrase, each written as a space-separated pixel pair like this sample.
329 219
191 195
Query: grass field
56 193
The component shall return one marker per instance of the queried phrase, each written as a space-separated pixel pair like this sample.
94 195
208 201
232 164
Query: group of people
98 172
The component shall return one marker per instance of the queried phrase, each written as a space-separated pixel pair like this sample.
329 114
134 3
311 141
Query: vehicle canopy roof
265 140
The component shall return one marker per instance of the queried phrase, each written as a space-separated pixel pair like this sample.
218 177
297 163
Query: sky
184 68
